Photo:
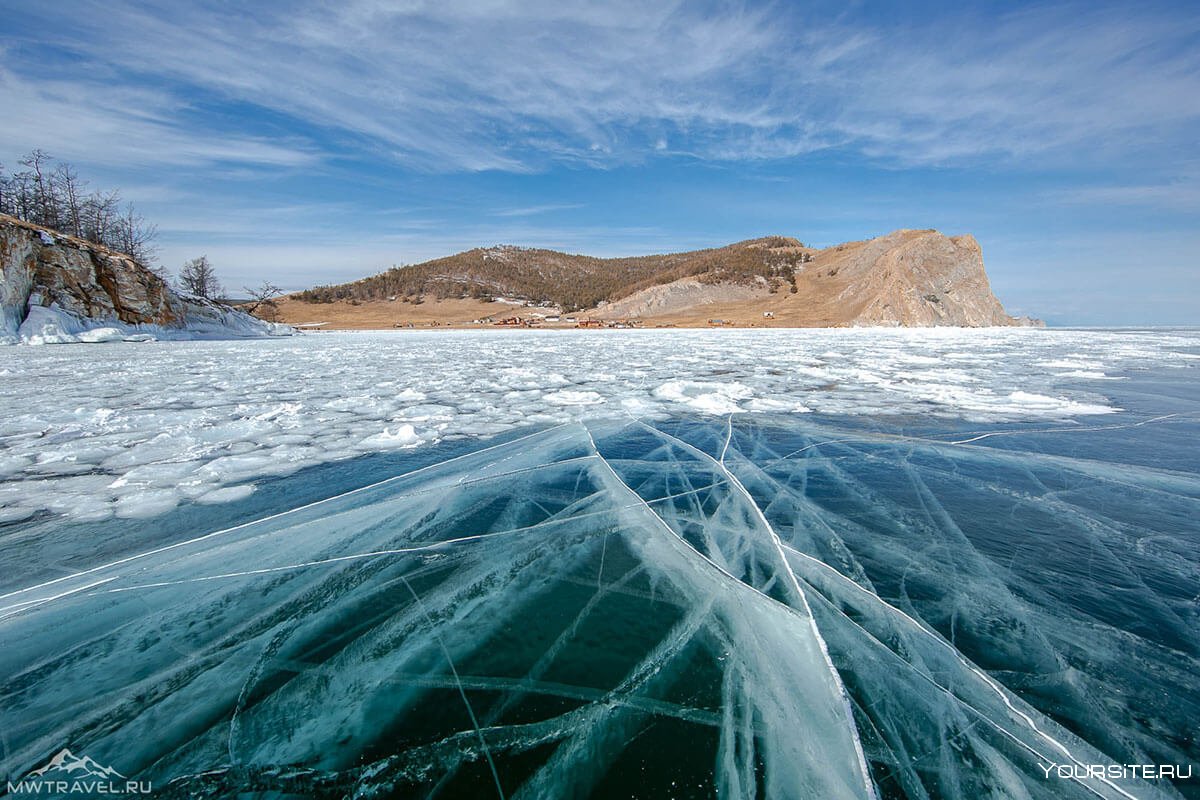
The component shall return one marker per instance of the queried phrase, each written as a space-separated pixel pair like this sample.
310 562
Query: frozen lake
810 564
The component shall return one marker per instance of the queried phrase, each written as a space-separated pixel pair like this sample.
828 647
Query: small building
769 314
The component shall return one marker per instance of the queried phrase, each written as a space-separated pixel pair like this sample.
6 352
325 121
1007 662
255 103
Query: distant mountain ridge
906 278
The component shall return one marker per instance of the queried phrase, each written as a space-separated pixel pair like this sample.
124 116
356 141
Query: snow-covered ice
134 429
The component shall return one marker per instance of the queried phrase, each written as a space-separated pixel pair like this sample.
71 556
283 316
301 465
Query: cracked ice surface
133 430
748 606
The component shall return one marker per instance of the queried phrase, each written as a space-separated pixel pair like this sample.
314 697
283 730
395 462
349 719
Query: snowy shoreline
44 325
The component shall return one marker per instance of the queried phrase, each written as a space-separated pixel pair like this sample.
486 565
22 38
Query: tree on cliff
262 301
135 236
70 192
56 198
45 201
199 278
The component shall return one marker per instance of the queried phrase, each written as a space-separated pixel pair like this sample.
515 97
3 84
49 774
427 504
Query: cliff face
82 278
49 278
907 278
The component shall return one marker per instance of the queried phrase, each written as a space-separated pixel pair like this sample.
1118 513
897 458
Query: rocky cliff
55 287
908 278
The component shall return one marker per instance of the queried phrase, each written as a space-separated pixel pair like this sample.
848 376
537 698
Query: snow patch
97 335
566 397
705 396
403 436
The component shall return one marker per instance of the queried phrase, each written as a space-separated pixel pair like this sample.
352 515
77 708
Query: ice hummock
742 606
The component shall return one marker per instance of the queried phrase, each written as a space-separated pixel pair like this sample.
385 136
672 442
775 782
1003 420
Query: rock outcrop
907 278
679 296
53 287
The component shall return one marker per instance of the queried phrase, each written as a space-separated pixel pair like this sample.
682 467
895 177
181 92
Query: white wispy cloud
516 85
99 123
1175 195
530 211
1082 82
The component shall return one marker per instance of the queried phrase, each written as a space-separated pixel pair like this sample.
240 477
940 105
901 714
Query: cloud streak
519 86
100 124
530 211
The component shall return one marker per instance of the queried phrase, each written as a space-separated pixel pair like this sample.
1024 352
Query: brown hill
909 277
566 280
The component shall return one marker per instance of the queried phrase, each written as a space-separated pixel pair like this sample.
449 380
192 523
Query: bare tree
100 212
23 202
199 278
134 236
45 202
69 189
8 194
262 301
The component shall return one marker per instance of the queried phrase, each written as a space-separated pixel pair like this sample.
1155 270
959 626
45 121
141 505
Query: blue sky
318 142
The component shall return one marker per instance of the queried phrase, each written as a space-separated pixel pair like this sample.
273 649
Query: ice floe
118 429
